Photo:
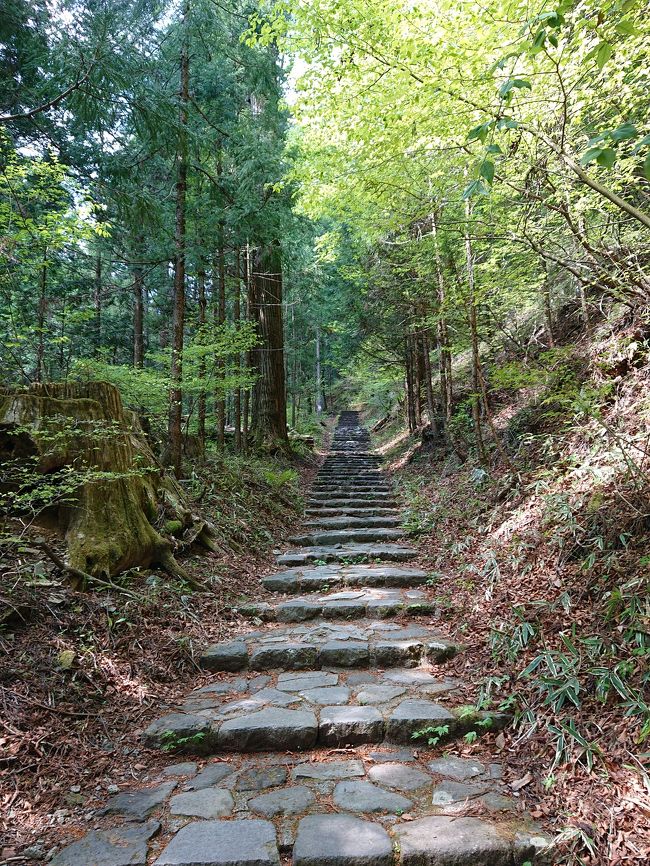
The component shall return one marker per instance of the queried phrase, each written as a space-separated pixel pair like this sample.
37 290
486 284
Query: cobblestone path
308 728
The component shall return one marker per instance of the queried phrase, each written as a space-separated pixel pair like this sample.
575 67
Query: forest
225 222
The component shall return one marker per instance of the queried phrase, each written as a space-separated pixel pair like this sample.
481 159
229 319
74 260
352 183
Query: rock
138 805
340 726
298 682
209 776
182 732
284 655
378 694
400 777
187 768
496 802
231 656
258 778
328 770
206 803
122 846
268 729
234 687
457 768
222 843
286 801
345 654
443 841
448 793
297 610
341 840
366 797
413 715
330 695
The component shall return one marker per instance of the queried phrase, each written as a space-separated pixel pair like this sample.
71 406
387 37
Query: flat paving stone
138 805
451 841
186 768
287 801
231 656
121 846
328 770
330 695
249 842
400 777
317 578
341 840
347 536
298 682
374 693
270 729
457 768
364 797
449 793
258 778
205 803
209 776
341 726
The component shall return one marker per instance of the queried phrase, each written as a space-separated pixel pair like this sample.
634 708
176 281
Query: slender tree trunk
294 367
319 376
220 321
410 396
203 308
238 360
431 405
270 421
252 356
444 353
546 304
178 313
473 327
42 315
138 314
98 302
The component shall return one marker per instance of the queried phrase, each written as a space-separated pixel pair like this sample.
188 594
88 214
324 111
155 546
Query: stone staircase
317 712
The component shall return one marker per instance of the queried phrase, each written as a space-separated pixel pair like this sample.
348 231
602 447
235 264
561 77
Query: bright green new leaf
605 51
624 132
487 170
606 157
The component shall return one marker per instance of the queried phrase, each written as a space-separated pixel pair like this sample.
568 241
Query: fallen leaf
500 742
518 784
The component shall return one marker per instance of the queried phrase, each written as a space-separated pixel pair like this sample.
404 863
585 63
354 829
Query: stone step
350 504
347 536
355 511
367 643
348 553
324 577
309 709
246 811
355 496
349 521
350 604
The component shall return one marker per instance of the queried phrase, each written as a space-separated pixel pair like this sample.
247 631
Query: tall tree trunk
546 305
431 404
98 302
220 311
238 360
178 313
270 417
252 357
473 328
410 393
203 308
42 315
444 352
138 311
319 375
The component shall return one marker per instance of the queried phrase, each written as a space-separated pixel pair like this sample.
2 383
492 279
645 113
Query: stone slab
286 801
205 803
400 777
450 841
350 725
459 769
121 846
249 842
328 770
138 805
365 797
269 729
341 840
209 776
411 716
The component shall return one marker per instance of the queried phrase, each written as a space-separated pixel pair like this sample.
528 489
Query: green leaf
606 157
476 187
494 148
480 132
511 83
627 28
487 170
624 132
605 51
592 154
507 123
646 166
